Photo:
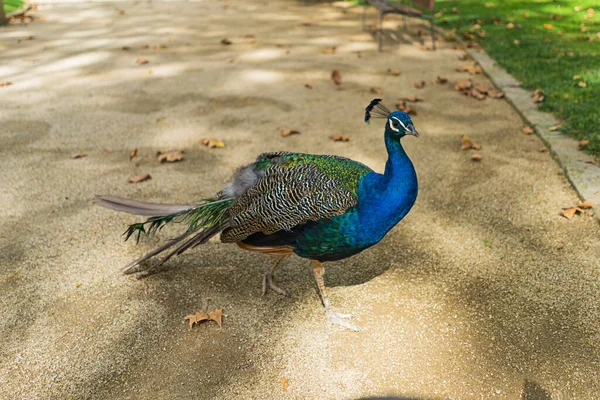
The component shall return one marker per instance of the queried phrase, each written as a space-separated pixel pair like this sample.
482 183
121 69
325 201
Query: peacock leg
268 278
333 317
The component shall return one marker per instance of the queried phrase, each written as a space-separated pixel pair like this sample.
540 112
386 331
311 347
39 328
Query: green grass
12 5
543 58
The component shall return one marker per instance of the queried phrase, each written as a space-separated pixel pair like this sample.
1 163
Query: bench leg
432 33
381 31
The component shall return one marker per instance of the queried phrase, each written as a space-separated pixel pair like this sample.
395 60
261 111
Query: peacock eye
395 124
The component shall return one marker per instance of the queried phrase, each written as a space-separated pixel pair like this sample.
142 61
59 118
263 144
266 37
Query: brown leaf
169 156
340 138
215 315
413 99
583 144
466 143
517 42
586 204
125 48
376 90
121 12
538 96
336 77
463 84
394 72
288 131
548 26
212 143
133 154
528 130
3 84
476 157
284 384
477 94
419 84
308 86
496 94
542 149
464 57
226 42
330 50
471 68
510 25
576 77
582 84
476 146
140 178
569 213
78 155
442 80
141 61
403 107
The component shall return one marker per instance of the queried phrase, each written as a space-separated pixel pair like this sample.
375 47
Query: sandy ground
483 291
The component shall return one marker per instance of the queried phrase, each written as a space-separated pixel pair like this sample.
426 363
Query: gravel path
483 291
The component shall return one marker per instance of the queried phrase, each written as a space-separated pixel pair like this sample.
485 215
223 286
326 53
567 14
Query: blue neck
385 199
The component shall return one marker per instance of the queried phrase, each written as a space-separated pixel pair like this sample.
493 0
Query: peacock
319 207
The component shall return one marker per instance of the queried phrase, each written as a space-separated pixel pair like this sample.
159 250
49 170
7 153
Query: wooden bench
390 7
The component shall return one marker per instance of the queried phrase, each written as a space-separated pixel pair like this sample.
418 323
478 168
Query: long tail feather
140 207
205 220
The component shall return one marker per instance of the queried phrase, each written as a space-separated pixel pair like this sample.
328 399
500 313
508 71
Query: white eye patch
400 122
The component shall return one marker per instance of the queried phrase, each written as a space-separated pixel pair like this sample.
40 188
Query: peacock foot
269 284
340 319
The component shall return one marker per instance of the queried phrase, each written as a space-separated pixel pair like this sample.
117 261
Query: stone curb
584 177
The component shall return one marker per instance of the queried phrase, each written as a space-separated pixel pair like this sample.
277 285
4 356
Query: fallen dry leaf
407 109
336 77
78 155
475 93
476 157
548 26
510 25
376 90
419 84
528 130
3 84
308 86
413 99
582 84
583 144
284 384
212 143
542 149
394 72
125 48
496 94
215 315
576 77
287 132
226 42
442 80
517 42
340 138
140 178
133 154
586 204
464 84
467 144
141 61
569 213
471 68
330 50
538 96
169 156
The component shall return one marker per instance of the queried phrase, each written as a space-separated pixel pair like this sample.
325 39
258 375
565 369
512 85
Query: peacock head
398 123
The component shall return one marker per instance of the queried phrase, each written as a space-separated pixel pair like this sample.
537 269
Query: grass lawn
551 42
12 5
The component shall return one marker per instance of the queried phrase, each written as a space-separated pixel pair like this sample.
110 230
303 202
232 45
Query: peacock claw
269 284
340 319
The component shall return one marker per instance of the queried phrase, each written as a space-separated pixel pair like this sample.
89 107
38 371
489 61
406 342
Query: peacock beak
412 131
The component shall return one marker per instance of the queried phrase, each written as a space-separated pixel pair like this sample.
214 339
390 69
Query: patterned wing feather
294 188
